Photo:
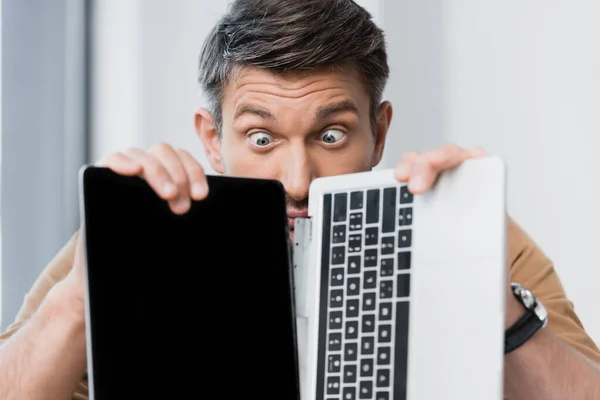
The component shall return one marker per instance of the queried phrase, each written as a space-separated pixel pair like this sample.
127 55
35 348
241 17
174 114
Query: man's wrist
514 310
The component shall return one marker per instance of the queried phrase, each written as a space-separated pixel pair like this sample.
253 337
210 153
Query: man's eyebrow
250 109
334 108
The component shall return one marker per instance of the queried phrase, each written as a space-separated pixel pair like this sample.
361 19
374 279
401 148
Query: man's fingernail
183 203
402 171
415 184
199 189
169 188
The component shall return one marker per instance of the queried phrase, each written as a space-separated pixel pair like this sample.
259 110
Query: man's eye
332 136
260 139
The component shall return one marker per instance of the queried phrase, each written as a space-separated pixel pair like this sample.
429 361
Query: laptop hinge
302 239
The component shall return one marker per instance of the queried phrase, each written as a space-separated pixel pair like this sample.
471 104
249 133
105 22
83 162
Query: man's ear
384 119
207 132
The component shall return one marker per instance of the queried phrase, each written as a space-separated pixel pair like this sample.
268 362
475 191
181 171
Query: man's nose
297 174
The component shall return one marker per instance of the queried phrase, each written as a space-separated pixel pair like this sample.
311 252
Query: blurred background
521 78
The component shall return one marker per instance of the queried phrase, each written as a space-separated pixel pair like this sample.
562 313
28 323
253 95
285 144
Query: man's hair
293 35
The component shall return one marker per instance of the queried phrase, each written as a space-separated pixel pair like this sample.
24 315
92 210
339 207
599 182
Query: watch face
541 313
523 295
530 302
528 299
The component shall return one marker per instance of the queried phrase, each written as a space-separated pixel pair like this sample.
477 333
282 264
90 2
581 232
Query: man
294 91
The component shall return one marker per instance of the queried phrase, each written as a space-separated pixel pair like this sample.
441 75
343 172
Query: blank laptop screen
192 306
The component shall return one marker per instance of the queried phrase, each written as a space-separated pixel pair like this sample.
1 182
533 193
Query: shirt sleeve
56 270
530 267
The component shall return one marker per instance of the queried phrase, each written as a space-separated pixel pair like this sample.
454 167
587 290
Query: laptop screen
180 306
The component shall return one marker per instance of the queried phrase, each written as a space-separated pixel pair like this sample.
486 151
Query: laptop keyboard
365 289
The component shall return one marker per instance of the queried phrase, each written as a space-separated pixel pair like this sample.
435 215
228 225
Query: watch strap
521 331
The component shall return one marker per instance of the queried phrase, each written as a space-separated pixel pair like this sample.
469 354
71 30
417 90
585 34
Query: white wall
145 88
528 89
520 78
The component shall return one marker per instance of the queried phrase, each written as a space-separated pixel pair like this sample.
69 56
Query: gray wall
43 137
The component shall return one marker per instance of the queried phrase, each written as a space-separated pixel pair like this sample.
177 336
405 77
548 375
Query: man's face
294 128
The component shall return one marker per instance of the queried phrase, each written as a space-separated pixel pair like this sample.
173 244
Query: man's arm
547 368
46 357
560 361
41 350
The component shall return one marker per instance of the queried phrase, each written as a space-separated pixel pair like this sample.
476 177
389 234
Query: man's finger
195 173
121 164
446 157
422 175
170 160
154 173
404 167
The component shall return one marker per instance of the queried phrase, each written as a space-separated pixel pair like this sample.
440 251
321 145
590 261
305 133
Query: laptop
400 296
198 305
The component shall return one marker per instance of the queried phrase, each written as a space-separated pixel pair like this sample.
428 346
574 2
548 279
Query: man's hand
530 371
421 169
173 174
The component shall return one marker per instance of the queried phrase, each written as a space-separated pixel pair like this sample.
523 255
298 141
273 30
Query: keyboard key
368 301
339 234
404 238
406 197
368 323
336 298
335 320
349 393
366 367
350 373
356 200
354 243
353 264
351 330
387 267
370 281
365 390
371 236
340 207
383 356
385 311
405 216
333 385
337 277
353 288
384 334
371 258
386 289
356 221
401 349
350 351
334 364
372 206
338 254
403 260
352 308
335 341
387 245
382 396
403 285
367 345
383 378
388 218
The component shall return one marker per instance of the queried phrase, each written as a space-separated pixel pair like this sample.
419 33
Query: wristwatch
535 317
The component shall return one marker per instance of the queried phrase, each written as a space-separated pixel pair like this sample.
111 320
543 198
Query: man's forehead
294 80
